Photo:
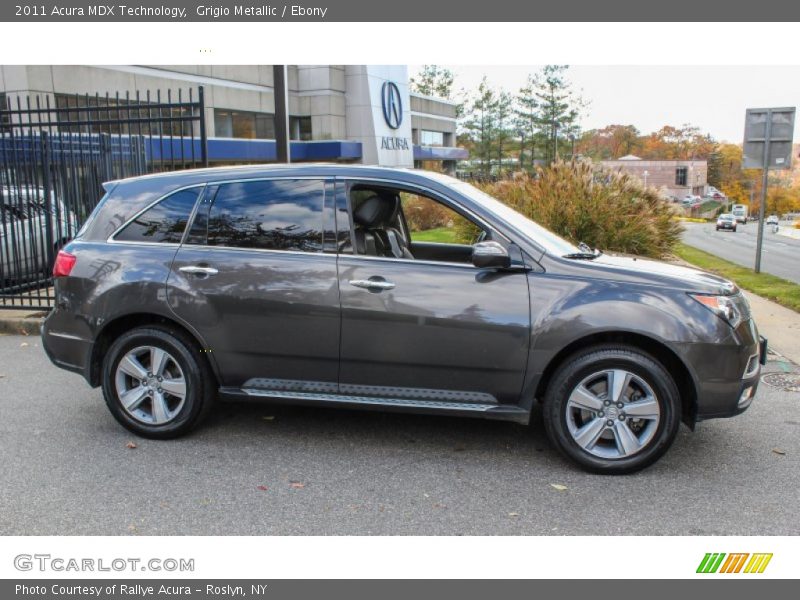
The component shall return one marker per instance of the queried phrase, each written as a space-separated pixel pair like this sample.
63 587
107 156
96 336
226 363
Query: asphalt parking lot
67 468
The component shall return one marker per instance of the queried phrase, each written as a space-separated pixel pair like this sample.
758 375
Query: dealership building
343 113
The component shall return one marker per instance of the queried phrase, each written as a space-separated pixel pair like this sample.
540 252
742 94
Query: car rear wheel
612 409
155 383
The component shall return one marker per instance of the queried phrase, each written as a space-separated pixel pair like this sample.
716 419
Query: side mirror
490 255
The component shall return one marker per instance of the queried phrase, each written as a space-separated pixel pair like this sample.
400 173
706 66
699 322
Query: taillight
64 263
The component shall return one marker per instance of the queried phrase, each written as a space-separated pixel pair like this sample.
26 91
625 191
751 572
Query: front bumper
728 374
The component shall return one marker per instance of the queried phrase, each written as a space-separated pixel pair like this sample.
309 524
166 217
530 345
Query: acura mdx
326 285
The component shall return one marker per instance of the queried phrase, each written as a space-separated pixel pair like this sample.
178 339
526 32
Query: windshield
545 238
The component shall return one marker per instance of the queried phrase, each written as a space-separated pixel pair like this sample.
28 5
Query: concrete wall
433 114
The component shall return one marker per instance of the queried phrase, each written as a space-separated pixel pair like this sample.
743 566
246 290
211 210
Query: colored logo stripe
710 562
733 564
758 563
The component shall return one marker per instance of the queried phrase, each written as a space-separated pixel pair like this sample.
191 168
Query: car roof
190 176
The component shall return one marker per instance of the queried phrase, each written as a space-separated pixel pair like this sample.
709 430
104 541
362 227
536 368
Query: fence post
49 212
201 100
105 157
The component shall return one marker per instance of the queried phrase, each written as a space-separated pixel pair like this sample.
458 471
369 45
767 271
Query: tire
175 414
650 389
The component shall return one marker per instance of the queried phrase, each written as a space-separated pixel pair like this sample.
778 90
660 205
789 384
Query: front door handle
195 270
372 284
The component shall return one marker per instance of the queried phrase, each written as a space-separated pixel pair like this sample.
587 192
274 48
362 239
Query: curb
21 325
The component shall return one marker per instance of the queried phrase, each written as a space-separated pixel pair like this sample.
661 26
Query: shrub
605 209
423 213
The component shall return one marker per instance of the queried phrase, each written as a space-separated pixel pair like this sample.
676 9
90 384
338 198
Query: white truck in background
740 212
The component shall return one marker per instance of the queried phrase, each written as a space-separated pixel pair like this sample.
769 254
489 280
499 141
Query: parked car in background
306 285
726 221
24 242
772 220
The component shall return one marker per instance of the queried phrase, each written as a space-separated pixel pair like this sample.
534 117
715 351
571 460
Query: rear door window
162 223
278 214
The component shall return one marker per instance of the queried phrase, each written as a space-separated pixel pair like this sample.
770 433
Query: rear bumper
64 349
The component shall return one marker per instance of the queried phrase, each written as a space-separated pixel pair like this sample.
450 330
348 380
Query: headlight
731 309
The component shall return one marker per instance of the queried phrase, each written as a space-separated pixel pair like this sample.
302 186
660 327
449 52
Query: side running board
469 409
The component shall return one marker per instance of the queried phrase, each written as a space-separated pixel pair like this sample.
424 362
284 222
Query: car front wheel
612 409
155 383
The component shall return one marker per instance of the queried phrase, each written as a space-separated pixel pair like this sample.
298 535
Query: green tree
559 108
526 113
434 80
503 124
481 126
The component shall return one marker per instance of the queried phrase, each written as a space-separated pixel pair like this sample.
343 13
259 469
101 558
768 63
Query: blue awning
257 151
66 146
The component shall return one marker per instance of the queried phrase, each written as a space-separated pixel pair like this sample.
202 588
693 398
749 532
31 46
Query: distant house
677 178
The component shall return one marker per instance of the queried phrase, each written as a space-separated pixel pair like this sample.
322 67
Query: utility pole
764 182
281 88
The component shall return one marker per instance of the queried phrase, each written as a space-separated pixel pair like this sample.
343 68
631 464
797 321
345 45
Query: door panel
432 331
264 314
256 284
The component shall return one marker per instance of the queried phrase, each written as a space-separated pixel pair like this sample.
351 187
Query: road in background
68 469
781 255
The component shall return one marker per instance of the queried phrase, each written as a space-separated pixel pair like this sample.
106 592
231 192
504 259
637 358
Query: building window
431 138
101 114
681 175
300 128
243 124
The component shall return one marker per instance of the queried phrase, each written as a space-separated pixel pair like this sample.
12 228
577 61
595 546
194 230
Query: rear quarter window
164 222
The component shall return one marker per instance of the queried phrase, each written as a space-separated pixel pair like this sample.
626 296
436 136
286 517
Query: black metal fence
55 154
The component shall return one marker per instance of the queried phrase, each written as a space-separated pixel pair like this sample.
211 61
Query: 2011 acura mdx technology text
311 285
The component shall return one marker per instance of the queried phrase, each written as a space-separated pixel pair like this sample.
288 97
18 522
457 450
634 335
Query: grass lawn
769 286
444 235
709 205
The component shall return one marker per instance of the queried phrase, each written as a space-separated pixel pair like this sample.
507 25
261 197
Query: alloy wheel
613 414
150 385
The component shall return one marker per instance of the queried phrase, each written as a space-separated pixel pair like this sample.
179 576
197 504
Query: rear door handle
372 284
195 270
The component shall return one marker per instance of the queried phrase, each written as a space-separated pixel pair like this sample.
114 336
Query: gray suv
396 290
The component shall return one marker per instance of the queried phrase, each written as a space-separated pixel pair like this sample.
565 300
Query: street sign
767 145
777 124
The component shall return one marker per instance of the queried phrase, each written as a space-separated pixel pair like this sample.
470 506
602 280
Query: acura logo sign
392 104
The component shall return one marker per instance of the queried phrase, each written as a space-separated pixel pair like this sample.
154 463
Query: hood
653 272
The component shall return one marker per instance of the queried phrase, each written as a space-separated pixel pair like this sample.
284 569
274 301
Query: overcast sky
712 97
